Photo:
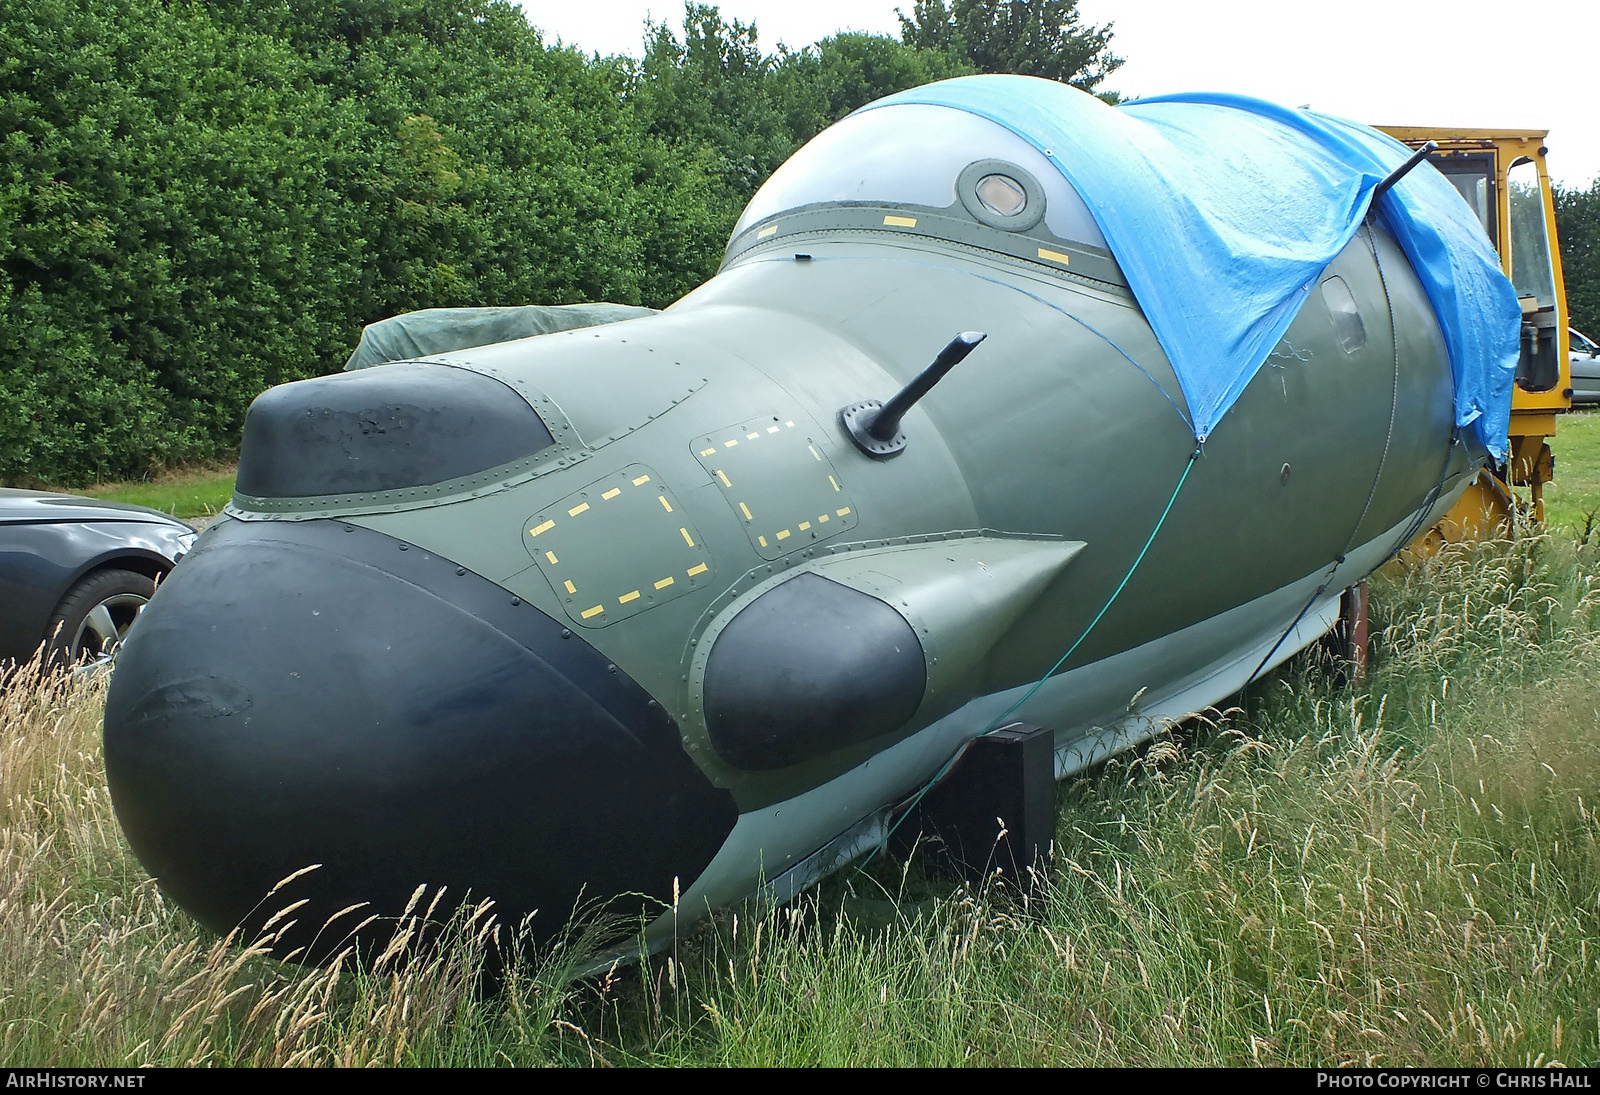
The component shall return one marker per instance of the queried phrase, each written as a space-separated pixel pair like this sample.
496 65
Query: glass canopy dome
913 154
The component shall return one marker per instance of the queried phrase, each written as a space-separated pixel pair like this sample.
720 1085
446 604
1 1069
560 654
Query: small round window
1001 195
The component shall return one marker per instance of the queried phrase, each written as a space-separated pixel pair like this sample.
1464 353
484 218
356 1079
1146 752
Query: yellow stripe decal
822 519
552 557
570 587
537 529
772 429
626 597
814 453
1054 256
709 452
641 481
842 512
744 509
577 509
612 493
751 436
666 505
901 222
804 525
665 582
763 540
722 475
698 568
730 444
595 611
686 537
790 424
784 535
767 231
834 481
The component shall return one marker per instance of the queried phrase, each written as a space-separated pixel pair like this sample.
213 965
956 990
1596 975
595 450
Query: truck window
1531 271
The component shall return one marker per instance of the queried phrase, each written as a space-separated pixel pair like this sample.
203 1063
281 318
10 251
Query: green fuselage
698 465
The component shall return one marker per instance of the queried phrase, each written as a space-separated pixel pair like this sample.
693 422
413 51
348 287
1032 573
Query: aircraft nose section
304 693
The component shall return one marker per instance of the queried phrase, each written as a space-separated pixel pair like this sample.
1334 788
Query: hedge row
198 201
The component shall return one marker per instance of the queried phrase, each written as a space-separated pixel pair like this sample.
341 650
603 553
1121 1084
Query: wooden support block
995 809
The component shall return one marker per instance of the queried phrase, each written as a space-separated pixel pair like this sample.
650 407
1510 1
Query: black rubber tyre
95 615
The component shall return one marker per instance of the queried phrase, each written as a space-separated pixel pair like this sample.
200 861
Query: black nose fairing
307 693
407 424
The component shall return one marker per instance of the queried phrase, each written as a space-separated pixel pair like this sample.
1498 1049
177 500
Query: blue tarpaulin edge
1223 211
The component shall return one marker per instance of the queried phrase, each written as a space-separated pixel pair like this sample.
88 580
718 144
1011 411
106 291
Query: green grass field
187 494
1403 873
1575 492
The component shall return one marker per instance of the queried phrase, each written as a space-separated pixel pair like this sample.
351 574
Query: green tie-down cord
1028 695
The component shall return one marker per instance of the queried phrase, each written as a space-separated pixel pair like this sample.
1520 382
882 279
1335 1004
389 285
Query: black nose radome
392 426
304 693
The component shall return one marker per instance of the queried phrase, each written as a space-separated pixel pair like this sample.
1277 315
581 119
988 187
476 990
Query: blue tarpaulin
1223 210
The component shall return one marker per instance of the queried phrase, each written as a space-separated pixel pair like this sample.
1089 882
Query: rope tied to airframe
999 719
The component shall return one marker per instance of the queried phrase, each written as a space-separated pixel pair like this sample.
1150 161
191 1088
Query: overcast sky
1477 63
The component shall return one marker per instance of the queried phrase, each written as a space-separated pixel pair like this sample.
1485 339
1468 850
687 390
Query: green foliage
715 94
167 182
1578 225
1033 37
198 201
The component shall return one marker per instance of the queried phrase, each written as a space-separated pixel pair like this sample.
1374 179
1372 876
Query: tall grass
1402 873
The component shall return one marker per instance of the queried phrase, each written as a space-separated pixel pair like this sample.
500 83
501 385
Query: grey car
76 572
1585 362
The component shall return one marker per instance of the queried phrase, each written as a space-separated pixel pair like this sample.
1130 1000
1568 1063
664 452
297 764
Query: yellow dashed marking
804 525
730 443
552 557
643 479
570 587
709 452
767 231
901 222
537 529
591 612
834 481
666 505
612 493
772 429
722 475
744 509
763 540
686 537
698 568
751 436
626 597
784 535
842 512
814 453
1054 256
789 424
577 509
822 519
665 582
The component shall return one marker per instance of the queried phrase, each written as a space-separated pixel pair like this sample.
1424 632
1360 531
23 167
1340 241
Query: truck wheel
95 616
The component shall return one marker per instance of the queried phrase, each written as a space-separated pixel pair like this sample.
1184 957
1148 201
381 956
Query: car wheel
95 616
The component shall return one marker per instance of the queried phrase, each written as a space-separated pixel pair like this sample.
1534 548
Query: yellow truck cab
1501 174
